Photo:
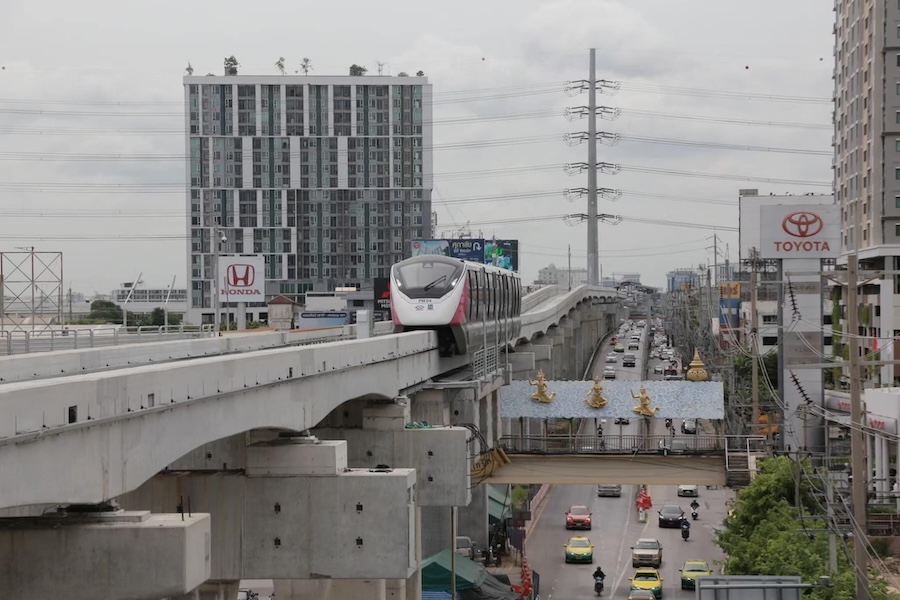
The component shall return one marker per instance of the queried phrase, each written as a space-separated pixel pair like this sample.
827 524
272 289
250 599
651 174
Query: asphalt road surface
616 526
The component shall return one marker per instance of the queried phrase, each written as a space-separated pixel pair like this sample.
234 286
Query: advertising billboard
242 278
800 231
467 249
429 247
501 253
383 296
323 318
752 223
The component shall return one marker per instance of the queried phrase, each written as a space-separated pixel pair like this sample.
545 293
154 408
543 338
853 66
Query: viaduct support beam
116 554
212 590
298 513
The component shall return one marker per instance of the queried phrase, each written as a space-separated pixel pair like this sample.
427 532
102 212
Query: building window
898 31
898 88
897 173
897 145
897 229
769 319
770 340
897 116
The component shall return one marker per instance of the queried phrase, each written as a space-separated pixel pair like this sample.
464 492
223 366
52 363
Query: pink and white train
468 304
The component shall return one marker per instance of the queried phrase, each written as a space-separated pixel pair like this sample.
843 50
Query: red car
578 517
613 341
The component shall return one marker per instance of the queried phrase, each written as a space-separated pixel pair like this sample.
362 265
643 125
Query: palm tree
279 64
306 65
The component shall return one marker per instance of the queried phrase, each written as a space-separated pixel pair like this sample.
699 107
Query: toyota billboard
800 231
500 253
242 279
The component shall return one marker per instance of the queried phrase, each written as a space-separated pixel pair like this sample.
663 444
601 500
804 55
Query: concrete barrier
534 506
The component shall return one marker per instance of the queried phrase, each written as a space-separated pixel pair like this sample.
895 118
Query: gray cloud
526 45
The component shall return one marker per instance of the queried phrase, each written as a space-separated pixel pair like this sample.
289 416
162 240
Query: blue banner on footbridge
613 399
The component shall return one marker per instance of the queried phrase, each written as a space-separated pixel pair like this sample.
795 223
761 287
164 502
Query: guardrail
538 297
614 444
50 340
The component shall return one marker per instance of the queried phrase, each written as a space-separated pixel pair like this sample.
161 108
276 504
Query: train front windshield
427 279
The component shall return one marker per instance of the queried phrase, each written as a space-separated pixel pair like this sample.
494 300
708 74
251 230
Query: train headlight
454 282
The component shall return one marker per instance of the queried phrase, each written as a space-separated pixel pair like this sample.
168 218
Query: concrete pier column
212 590
496 420
558 355
328 589
395 589
473 519
542 346
430 406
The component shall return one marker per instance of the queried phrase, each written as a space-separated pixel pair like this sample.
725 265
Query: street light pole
215 287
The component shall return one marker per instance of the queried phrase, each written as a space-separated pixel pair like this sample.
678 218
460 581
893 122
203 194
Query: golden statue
596 399
697 370
644 409
541 394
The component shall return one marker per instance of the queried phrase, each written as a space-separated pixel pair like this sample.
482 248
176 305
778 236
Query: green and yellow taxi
691 570
619 348
647 579
579 549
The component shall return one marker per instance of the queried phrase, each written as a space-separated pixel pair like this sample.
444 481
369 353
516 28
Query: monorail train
467 303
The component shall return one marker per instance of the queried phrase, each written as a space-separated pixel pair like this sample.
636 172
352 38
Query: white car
612 358
689 491
658 370
609 373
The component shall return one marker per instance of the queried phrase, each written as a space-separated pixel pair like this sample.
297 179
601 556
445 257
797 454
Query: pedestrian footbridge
633 458
85 426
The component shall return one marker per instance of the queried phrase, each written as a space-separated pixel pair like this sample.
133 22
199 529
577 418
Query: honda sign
242 279
800 231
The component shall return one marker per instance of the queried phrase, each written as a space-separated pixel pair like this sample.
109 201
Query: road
616 529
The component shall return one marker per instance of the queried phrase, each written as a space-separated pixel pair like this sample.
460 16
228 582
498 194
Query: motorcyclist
599 574
695 505
685 528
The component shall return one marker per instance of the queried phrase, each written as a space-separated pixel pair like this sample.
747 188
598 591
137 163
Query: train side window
507 297
470 309
492 295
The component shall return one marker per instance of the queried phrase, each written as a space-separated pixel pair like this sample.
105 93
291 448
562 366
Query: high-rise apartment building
328 178
867 158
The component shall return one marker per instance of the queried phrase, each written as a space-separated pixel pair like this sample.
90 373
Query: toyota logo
802 224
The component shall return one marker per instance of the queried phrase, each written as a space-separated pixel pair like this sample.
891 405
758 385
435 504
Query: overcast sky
80 57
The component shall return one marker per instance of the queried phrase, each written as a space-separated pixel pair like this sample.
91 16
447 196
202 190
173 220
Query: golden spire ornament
697 370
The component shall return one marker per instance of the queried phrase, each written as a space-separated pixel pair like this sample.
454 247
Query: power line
151 187
677 173
725 94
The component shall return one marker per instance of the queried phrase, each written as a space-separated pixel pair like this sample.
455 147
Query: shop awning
498 503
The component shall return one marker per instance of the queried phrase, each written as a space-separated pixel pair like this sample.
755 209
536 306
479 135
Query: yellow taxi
579 549
647 579
691 570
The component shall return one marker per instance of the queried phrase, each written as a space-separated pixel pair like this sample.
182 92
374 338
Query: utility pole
70 304
570 268
593 225
857 436
754 347
829 508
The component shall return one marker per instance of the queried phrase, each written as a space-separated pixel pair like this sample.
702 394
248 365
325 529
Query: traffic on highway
580 528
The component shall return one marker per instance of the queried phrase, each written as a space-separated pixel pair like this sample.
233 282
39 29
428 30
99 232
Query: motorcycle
598 585
694 514
685 534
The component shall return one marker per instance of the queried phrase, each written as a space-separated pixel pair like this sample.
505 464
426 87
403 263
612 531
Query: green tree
231 65
764 534
357 71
